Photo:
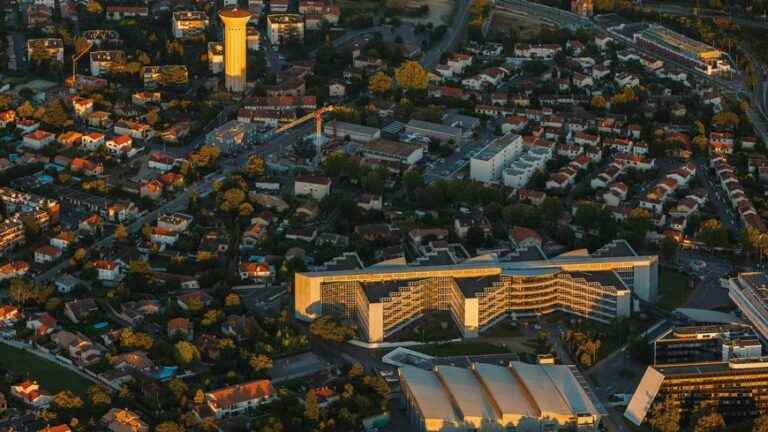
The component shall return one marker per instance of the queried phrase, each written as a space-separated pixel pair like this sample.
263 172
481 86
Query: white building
313 186
487 165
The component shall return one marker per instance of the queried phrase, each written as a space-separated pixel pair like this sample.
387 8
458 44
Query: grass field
673 289
50 376
452 349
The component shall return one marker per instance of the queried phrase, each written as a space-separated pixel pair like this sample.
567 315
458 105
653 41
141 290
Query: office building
737 388
235 49
478 293
518 397
186 24
49 49
11 233
487 165
355 132
706 344
749 292
445 134
216 57
102 62
682 49
233 136
393 151
285 27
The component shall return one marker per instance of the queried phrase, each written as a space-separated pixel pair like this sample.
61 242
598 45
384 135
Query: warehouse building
683 49
521 397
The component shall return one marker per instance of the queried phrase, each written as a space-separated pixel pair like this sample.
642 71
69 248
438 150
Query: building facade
487 165
683 49
477 294
737 388
235 49
284 28
749 292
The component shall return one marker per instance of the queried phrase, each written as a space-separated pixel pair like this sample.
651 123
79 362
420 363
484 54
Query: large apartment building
736 387
480 292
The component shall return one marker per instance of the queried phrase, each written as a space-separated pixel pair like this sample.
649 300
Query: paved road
179 203
673 9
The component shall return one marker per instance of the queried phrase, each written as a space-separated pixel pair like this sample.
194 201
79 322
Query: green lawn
453 349
673 289
51 376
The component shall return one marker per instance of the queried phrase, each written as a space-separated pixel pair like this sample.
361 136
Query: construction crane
318 116
75 57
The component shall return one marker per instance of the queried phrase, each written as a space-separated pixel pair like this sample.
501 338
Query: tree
94 7
25 110
255 166
356 371
411 76
199 397
20 291
232 300
598 102
99 396
625 96
169 426
311 407
380 83
179 389
232 199
121 233
726 119
760 424
475 236
326 327
260 363
186 353
713 234
664 417
67 400
56 114
712 422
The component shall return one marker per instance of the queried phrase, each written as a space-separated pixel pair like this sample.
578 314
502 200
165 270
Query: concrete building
736 388
188 23
216 57
51 49
435 131
355 132
312 186
706 343
235 49
749 292
233 136
487 165
478 294
103 61
520 396
283 28
683 49
393 151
